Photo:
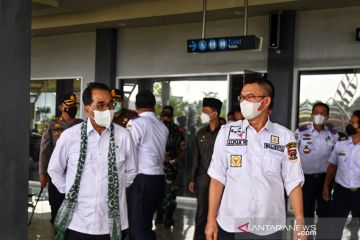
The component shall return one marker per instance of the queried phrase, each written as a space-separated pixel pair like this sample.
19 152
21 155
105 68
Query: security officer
54 128
122 115
205 140
175 151
315 142
150 137
253 161
345 167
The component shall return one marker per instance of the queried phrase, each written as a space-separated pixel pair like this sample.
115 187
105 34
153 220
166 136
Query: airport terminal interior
181 50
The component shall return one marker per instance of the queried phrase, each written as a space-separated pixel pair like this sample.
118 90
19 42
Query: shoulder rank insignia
303 128
342 136
333 131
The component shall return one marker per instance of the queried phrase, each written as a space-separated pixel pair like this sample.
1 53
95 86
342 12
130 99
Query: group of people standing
104 179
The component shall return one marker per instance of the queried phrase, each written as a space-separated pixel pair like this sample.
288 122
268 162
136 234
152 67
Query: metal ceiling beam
51 3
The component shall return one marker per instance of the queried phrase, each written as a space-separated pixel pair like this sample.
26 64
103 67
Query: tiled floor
41 229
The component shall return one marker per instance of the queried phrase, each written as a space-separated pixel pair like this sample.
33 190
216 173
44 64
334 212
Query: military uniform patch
274 139
342 152
292 151
237 137
236 161
306 149
203 138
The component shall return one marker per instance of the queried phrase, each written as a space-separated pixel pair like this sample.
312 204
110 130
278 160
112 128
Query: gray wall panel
15 44
64 56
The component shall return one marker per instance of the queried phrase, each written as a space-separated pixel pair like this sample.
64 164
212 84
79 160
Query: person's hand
192 187
44 179
211 230
299 229
326 193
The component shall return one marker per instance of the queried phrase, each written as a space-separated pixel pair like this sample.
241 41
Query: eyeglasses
249 97
103 106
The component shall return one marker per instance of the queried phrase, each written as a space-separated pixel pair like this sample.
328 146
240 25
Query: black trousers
73 235
344 201
146 196
312 195
55 199
313 201
202 195
223 235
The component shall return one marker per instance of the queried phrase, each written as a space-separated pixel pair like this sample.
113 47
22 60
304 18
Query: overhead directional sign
247 42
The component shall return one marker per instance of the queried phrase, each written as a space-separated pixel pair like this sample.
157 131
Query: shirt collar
91 128
148 114
268 125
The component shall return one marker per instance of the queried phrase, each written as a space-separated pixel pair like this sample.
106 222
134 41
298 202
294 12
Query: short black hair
231 113
87 94
267 86
145 99
321 104
167 111
357 114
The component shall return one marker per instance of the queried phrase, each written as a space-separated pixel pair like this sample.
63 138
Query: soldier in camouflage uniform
175 150
122 115
51 134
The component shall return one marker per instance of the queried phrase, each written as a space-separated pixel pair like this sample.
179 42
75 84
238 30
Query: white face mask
204 118
103 118
249 109
319 119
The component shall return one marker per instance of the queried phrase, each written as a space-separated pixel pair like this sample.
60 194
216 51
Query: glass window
338 89
43 108
185 95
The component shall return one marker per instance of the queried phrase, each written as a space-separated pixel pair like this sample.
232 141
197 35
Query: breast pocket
271 163
235 156
120 159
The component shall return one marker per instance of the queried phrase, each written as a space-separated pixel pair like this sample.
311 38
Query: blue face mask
117 106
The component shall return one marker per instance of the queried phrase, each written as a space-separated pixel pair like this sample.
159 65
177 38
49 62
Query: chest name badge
292 152
275 147
306 149
235 160
236 137
342 152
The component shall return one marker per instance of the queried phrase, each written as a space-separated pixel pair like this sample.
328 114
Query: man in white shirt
92 164
150 136
253 161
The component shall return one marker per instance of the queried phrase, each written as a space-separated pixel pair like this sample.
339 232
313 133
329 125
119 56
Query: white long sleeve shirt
150 136
91 211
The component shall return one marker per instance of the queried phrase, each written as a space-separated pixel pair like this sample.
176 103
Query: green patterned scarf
67 208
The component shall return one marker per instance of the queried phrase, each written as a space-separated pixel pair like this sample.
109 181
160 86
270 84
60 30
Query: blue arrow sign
192 46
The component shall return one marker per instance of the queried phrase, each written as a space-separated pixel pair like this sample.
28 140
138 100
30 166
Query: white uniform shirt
346 156
91 211
315 147
150 136
254 168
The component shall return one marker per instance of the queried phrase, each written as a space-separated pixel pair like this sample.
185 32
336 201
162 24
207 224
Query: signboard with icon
247 42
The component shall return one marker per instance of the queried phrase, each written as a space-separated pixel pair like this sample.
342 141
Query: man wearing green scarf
92 164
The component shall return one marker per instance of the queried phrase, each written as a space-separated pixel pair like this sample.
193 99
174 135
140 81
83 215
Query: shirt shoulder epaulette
331 130
303 128
342 136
